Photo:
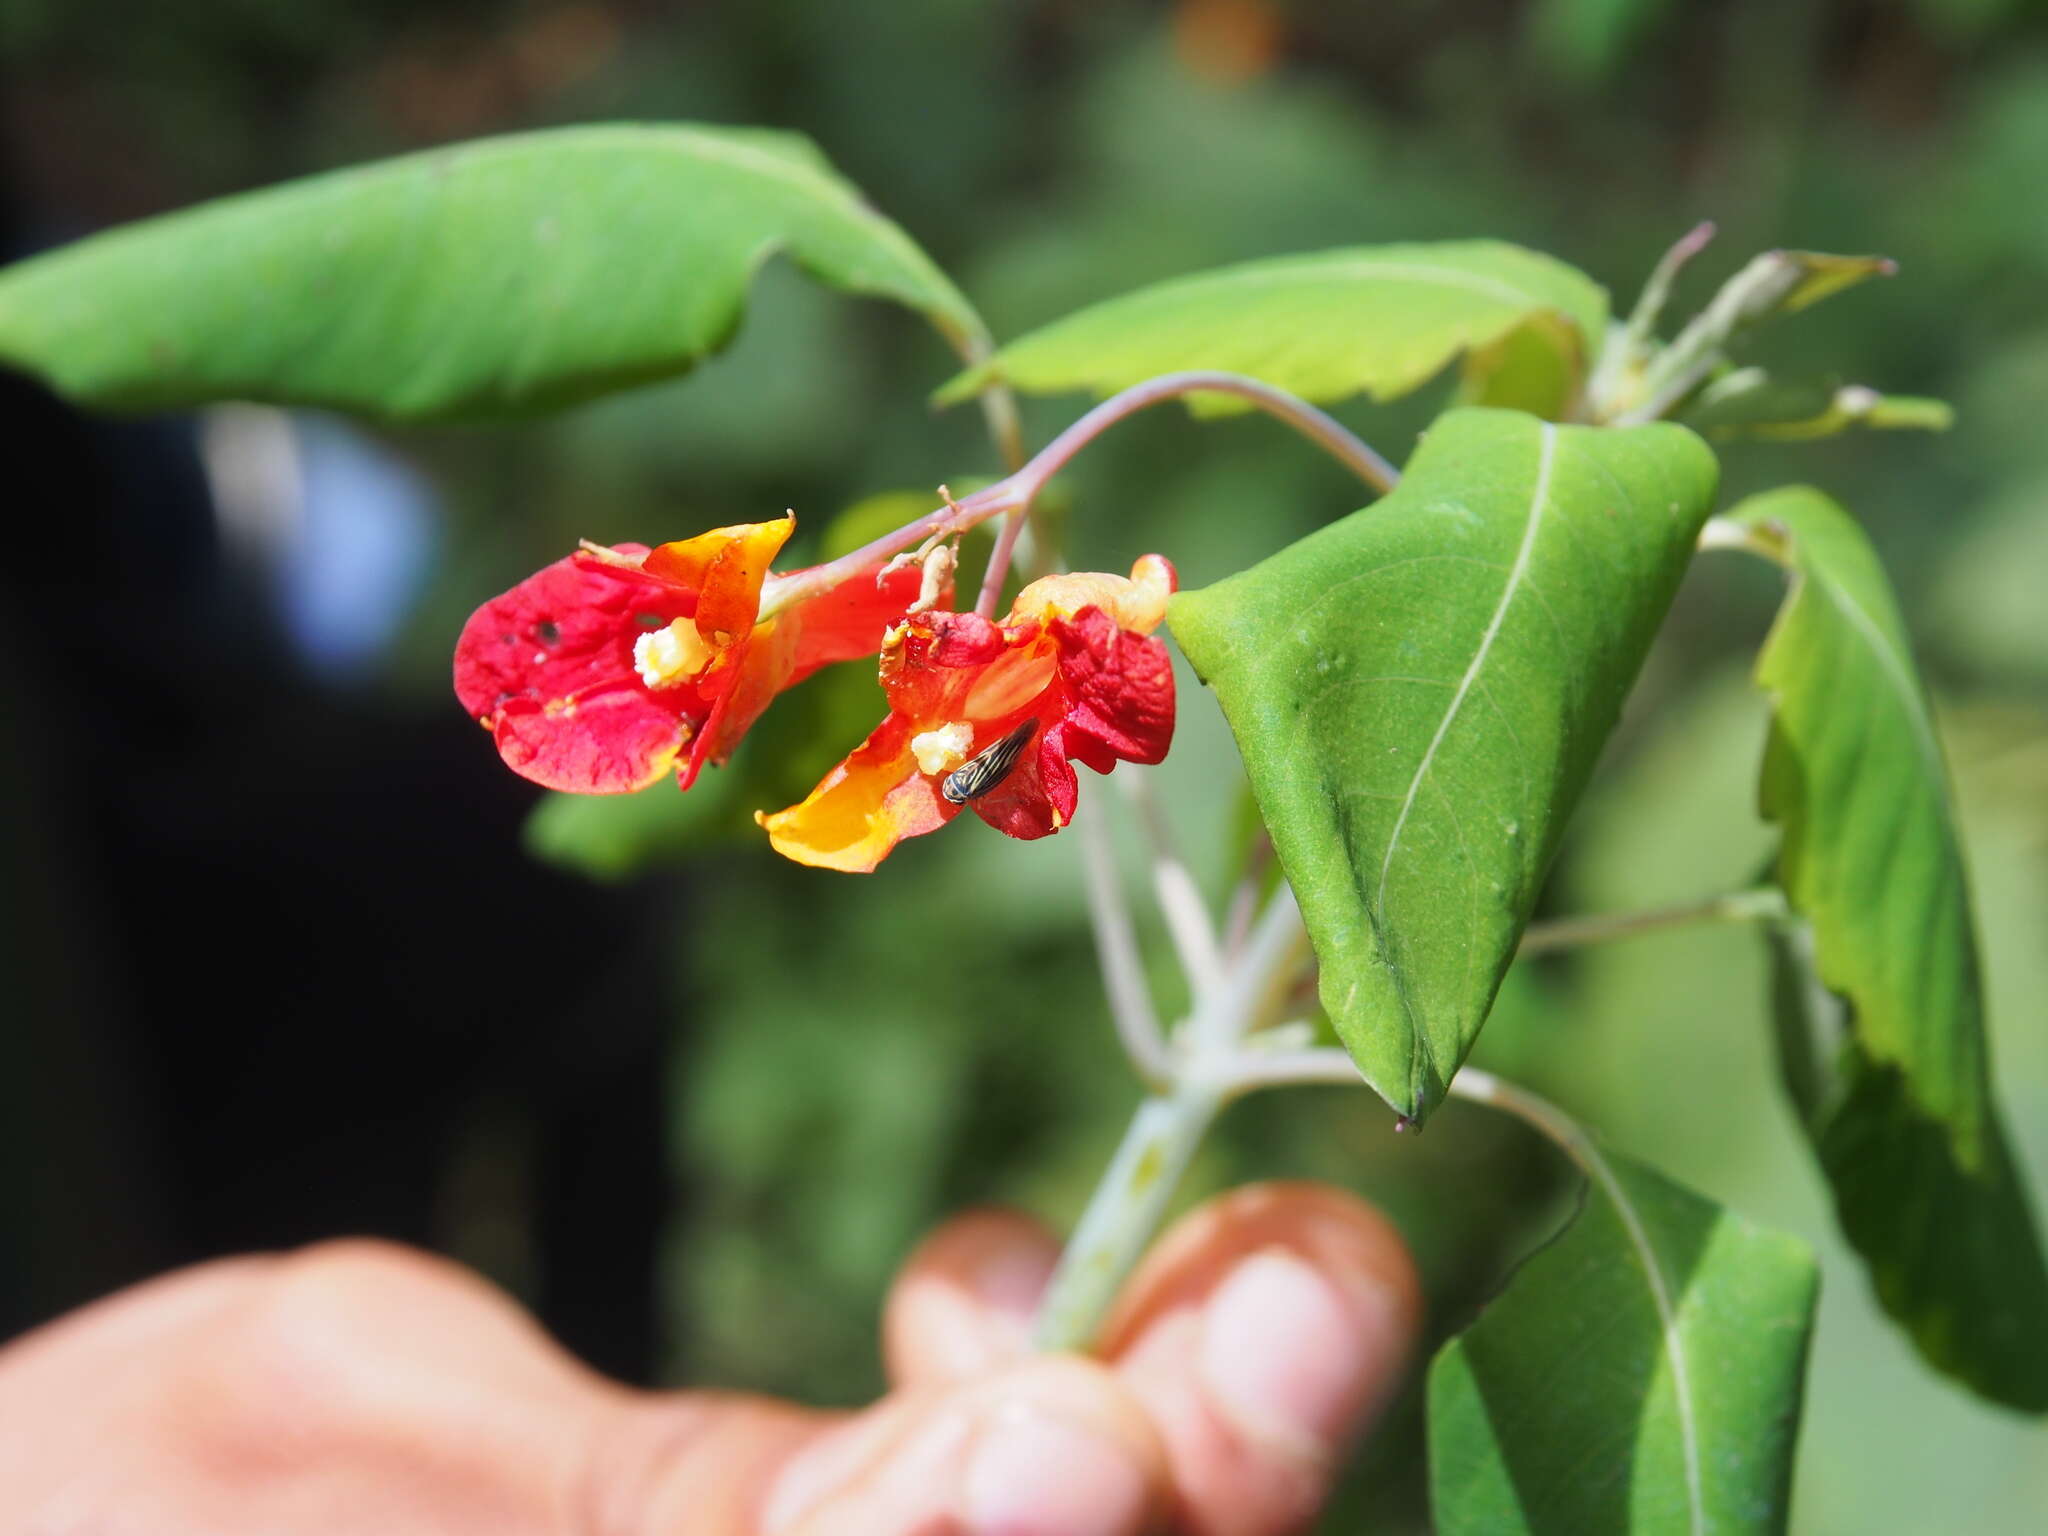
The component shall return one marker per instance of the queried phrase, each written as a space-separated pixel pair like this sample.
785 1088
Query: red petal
553 657
965 639
615 742
847 622
1119 690
1038 797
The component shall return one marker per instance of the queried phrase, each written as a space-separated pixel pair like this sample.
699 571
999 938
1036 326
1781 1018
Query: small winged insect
987 768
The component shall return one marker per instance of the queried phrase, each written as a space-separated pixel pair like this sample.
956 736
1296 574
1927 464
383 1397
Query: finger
1266 1331
1052 1446
120 1326
963 1304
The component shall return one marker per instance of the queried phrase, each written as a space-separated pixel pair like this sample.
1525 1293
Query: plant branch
1127 1206
1329 1065
1482 1087
1725 533
1180 899
999 561
1317 426
1763 904
1628 349
1642 320
1014 493
1116 951
1123 1213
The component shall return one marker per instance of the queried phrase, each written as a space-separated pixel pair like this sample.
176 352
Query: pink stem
1015 493
999 563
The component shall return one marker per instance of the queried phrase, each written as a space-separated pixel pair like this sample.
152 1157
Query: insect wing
987 768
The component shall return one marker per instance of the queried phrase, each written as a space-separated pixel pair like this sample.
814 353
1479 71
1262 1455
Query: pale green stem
1116 950
1627 348
1180 900
1329 1065
1642 320
1132 1198
1126 1209
1752 294
1725 533
1764 904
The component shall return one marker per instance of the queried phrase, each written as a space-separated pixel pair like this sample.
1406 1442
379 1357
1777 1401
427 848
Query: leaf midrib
1889 661
1423 1049
1598 1168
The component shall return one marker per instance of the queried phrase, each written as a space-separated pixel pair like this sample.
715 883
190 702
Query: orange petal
848 621
756 671
725 567
863 808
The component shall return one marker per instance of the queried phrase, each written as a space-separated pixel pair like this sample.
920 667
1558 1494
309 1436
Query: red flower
595 674
1072 675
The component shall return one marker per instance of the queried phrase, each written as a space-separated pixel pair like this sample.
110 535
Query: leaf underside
1419 692
1641 1374
1374 320
488 278
1895 1087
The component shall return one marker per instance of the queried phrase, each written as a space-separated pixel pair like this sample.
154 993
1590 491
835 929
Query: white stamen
671 655
943 750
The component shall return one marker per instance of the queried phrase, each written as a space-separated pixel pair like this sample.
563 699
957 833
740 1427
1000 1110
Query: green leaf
502 275
1380 320
1896 1089
1952 1250
1641 1374
1419 692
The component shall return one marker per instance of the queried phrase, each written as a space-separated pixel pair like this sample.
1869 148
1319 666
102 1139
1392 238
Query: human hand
358 1386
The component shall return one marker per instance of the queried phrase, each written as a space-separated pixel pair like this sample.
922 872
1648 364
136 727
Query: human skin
359 1386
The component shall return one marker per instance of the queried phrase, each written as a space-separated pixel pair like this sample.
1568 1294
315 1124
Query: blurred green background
851 1059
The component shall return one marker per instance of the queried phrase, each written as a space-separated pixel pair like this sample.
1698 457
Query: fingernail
1034 1475
1013 1279
1289 1359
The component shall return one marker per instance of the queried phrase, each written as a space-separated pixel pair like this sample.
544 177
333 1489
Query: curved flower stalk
1073 674
600 673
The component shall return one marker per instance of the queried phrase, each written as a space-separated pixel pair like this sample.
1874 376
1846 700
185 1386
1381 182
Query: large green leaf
1419 692
1894 1089
1642 1374
495 276
1380 320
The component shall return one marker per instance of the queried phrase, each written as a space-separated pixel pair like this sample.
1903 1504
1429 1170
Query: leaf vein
1546 456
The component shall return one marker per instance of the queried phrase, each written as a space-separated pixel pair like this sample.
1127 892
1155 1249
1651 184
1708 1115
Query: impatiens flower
608 668
1072 675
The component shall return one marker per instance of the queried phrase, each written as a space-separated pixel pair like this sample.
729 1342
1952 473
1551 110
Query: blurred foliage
859 1056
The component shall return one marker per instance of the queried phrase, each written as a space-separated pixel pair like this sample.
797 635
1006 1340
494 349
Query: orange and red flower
1075 659
596 674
